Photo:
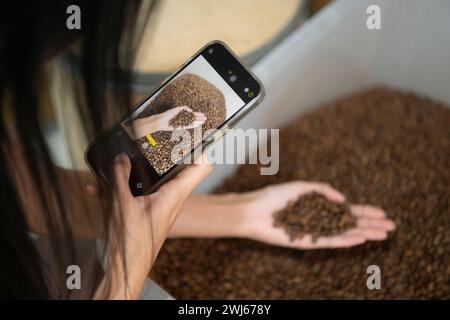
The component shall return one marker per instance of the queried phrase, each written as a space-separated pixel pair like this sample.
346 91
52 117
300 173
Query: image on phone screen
197 98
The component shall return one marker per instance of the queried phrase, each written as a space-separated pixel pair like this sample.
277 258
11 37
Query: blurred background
252 28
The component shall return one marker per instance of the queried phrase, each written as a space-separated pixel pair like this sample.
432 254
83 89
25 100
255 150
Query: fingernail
391 225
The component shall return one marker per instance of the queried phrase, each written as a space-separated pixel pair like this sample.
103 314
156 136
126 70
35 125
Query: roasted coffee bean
182 119
382 146
315 215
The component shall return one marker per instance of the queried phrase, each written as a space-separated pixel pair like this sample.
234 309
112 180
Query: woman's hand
250 215
164 118
143 223
160 122
372 224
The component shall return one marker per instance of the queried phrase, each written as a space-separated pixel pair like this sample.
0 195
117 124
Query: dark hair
32 32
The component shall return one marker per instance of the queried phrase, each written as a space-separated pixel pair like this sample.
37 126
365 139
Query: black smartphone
196 106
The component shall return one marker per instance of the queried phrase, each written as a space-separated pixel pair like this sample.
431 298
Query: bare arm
245 215
211 216
250 215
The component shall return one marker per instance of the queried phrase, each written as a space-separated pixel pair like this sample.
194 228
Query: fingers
199 116
368 230
195 124
198 122
200 119
324 188
178 109
122 169
369 234
350 238
372 222
342 241
383 224
368 211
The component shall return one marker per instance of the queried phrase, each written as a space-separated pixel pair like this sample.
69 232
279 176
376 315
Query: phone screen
197 98
209 92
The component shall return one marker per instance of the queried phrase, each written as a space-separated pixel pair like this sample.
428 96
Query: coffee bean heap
314 214
182 119
383 147
187 90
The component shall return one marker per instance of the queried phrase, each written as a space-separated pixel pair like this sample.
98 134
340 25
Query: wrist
232 212
120 282
145 126
211 216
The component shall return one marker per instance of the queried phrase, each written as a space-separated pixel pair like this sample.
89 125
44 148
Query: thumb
122 170
185 108
183 184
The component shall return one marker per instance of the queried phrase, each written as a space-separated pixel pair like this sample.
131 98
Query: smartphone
193 108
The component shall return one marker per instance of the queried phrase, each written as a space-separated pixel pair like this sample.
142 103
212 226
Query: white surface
334 54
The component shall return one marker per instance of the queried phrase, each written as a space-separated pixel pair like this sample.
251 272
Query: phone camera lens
233 78
246 90
211 51
139 185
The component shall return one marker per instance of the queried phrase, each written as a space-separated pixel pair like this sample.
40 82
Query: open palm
372 224
164 119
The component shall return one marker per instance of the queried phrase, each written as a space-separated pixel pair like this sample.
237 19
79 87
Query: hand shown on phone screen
167 121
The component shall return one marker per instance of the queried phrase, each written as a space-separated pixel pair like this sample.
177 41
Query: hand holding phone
213 90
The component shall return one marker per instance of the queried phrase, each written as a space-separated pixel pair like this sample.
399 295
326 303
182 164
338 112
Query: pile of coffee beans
314 214
182 119
382 146
187 90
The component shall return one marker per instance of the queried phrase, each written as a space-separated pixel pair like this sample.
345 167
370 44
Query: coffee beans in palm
183 118
315 215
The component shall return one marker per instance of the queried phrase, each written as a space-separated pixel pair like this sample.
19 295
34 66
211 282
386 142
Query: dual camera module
232 78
